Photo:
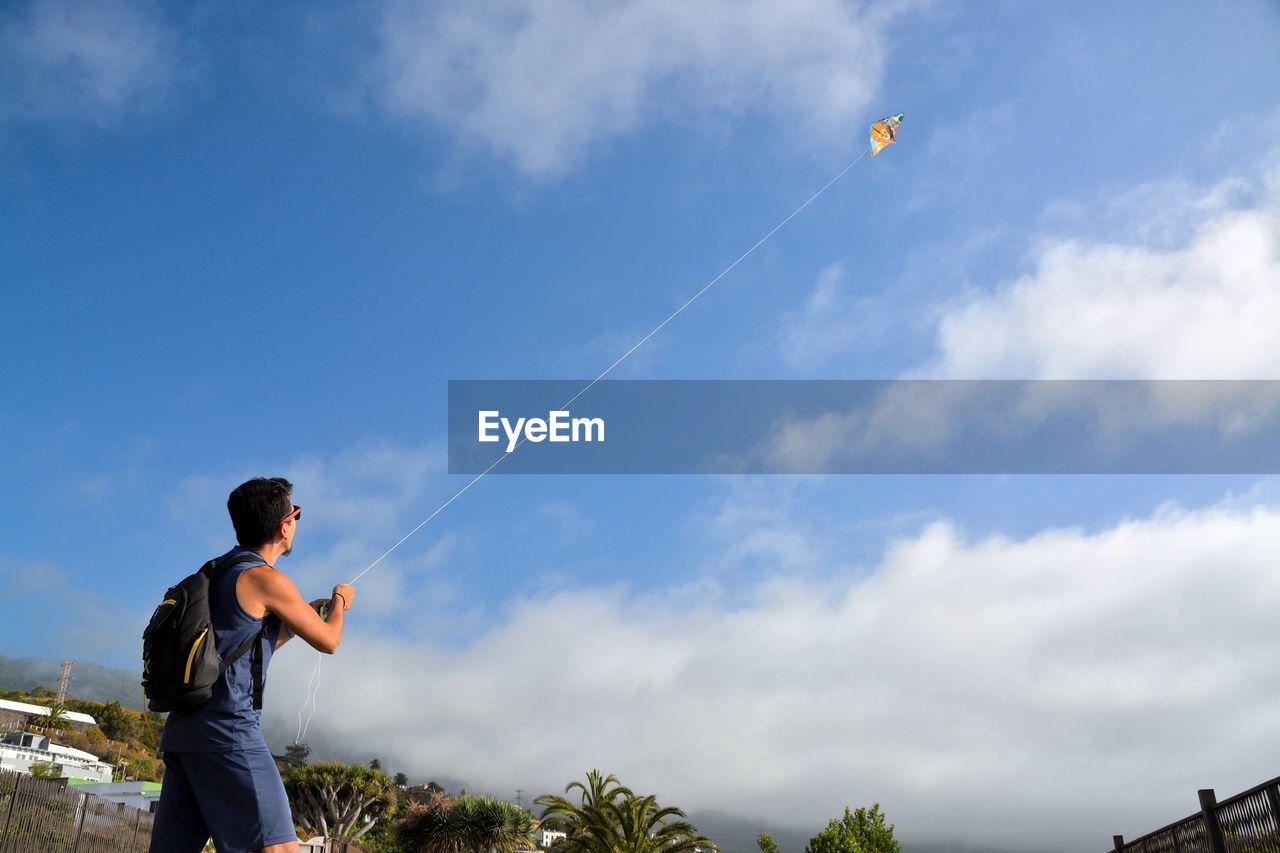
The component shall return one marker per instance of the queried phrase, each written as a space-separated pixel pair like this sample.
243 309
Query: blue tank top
228 720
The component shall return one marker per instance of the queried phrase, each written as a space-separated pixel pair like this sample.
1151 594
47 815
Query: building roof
40 710
115 787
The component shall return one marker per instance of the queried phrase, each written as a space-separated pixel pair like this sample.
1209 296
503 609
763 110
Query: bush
44 770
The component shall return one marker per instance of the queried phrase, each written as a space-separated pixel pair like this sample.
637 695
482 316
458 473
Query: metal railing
40 814
1249 822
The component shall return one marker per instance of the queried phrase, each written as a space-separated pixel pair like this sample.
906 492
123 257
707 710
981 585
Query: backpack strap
218 565
255 667
245 647
253 647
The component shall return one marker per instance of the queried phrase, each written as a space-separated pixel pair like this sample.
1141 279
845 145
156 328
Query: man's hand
348 593
343 594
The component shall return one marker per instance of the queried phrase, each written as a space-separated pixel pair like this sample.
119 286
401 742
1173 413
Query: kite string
313 693
627 354
315 674
438 510
722 274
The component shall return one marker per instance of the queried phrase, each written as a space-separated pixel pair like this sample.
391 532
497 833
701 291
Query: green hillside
123 735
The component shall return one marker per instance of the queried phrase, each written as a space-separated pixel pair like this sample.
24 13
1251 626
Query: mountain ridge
88 680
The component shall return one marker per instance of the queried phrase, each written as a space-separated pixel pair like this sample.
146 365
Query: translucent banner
864 427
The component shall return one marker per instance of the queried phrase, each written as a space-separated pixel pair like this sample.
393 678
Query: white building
19 751
547 837
14 716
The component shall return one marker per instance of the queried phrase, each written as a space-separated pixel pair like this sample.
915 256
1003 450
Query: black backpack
180 662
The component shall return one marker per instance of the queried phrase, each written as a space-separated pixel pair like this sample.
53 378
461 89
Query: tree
339 800
376 764
425 828
116 723
401 780
643 825
424 793
608 817
295 756
593 799
767 844
861 831
141 768
469 824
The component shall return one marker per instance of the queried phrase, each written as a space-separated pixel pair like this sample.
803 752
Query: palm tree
587 824
610 818
469 824
56 721
645 827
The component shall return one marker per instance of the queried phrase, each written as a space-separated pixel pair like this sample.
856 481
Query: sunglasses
296 514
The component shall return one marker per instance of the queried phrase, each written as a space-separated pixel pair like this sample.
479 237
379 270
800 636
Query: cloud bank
1192 294
540 85
1039 692
84 61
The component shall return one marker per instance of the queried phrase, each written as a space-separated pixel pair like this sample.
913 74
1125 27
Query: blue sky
240 241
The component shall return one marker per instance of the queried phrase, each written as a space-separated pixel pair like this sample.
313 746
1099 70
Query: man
220 779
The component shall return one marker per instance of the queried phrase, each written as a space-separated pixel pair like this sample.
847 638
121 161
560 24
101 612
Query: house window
151 807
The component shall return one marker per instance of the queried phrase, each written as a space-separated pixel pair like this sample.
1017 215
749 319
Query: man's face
288 528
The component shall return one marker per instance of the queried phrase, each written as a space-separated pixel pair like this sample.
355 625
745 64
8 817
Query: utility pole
520 797
64 680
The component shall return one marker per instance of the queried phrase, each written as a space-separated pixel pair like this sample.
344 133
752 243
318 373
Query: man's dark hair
256 508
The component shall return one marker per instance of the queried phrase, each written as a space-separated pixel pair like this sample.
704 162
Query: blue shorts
235 797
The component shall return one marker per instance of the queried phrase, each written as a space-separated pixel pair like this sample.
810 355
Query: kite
884 132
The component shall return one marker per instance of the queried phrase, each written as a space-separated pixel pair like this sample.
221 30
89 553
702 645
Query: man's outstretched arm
264 589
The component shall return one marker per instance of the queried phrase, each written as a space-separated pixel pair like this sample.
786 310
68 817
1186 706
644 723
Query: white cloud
829 324
540 84
1042 692
1193 293
1161 281
84 60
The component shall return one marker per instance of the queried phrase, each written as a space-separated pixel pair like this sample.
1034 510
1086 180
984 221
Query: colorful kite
884 132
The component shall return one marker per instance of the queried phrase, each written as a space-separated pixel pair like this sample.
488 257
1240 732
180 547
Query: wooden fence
44 815
1249 822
